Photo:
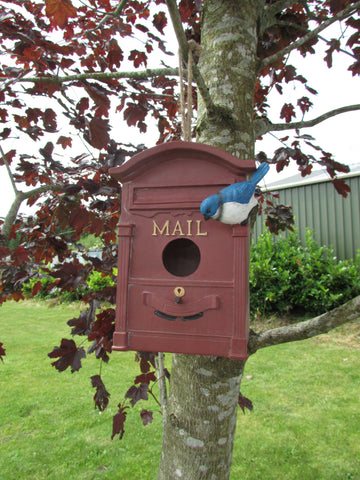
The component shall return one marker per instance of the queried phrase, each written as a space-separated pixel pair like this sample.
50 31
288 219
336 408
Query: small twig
154 397
159 362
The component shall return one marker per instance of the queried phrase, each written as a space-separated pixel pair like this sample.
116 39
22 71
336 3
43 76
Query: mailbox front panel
183 281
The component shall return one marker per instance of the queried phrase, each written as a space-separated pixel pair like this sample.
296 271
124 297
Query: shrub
98 281
95 282
288 276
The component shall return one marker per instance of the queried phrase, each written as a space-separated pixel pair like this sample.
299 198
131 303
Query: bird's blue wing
242 192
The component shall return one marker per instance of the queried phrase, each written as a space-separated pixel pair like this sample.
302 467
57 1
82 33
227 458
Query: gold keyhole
179 292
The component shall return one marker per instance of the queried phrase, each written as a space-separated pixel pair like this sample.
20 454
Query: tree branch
14 209
298 43
140 75
116 13
263 125
184 49
3 156
268 17
310 328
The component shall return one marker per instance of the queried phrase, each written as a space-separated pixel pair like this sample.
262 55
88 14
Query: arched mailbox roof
161 154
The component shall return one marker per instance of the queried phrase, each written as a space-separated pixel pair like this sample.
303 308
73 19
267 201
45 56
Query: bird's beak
206 217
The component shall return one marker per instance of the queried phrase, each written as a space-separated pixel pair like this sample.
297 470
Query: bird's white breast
233 212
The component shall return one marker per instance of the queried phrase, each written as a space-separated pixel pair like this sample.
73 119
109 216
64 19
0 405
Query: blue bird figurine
233 204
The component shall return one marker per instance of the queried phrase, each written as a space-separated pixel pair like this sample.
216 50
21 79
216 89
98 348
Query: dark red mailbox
182 281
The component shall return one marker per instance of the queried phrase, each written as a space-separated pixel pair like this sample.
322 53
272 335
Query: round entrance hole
181 257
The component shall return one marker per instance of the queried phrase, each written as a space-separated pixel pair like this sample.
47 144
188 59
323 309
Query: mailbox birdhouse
182 281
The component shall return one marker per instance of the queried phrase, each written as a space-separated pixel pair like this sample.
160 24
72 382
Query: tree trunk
200 418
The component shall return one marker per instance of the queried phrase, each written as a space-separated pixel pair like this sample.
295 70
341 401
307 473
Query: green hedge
288 276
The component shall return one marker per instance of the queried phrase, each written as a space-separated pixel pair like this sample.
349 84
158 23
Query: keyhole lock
179 293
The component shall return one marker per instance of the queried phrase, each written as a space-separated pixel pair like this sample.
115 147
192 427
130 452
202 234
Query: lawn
305 424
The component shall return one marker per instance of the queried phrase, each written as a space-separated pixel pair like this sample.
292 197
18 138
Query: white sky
338 135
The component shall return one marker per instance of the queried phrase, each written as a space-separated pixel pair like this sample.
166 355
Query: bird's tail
260 173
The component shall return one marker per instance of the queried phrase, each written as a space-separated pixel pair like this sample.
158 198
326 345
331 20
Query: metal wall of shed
334 220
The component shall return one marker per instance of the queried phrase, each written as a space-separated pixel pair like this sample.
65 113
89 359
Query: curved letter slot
169 310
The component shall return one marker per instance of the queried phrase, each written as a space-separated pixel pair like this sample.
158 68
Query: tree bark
200 417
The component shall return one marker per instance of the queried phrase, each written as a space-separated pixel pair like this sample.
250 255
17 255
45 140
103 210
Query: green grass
305 424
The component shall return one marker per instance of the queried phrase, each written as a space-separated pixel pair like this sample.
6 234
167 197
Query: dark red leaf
2 352
144 365
102 332
69 356
338 5
304 103
146 416
287 112
101 397
82 324
118 422
60 10
20 256
244 402
115 55
71 275
49 120
186 8
137 393
64 141
160 21
146 378
98 94
47 151
341 187
36 288
134 113
138 58
82 105
9 157
98 135
355 68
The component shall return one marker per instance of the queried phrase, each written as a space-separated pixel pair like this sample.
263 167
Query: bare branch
102 76
3 156
301 41
310 328
184 49
263 125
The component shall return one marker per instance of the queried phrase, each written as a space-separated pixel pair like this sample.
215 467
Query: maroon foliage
244 402
101 397
69 356
2 351
118 422
146 416
137 393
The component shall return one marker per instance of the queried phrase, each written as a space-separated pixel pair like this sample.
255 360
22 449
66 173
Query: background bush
95 282
287 276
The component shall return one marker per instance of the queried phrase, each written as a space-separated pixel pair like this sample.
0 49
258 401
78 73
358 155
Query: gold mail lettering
191 228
